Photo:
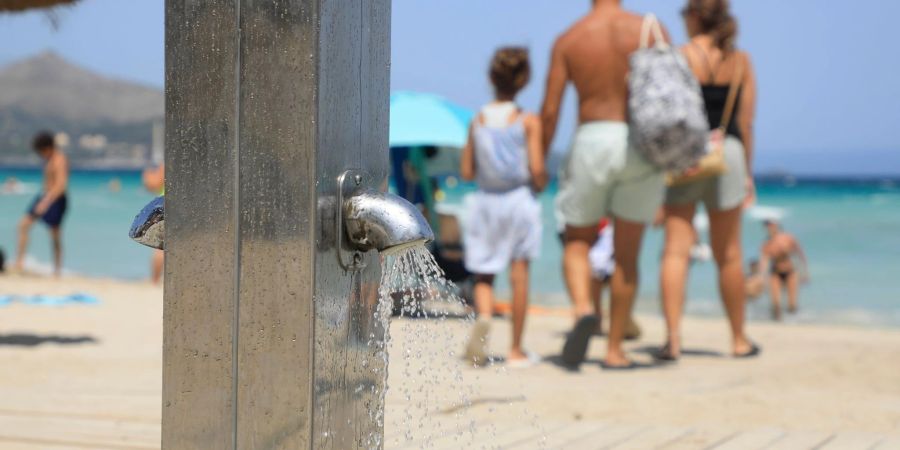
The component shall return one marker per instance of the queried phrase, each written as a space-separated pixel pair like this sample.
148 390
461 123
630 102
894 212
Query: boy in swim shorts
51 204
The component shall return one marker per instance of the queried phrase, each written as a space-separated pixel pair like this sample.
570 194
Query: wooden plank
80 432
559 437
851 441
801 440
701 438
606 437
535 433
459 433
752 439
656 437
39 443
888 443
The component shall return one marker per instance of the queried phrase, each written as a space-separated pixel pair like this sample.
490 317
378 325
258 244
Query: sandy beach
89 376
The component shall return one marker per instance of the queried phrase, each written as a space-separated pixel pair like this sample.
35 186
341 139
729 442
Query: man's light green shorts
603 176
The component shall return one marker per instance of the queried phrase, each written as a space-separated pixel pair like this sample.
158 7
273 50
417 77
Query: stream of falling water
430 407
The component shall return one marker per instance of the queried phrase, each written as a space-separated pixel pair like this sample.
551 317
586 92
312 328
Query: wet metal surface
198 408
265 334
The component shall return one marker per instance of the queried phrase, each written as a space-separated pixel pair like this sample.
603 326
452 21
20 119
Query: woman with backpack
729 93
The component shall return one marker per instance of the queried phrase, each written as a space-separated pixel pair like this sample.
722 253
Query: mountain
46 85
104 118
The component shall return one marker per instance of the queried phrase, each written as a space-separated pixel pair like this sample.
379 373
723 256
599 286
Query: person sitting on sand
603 175
503 154
51 204
777 260
154 179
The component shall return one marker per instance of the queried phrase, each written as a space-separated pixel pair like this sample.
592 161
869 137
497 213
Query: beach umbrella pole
265 333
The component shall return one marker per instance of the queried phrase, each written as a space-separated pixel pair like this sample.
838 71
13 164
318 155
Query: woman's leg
676 260
518 280
725 234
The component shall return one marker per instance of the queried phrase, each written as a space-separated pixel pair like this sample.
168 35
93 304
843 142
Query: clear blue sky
828 69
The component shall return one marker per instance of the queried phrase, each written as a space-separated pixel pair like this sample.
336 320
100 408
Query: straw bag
713 163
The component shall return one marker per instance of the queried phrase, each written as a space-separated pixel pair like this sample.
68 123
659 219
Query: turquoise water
850 230
95 232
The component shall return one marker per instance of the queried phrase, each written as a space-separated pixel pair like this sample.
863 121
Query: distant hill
112 118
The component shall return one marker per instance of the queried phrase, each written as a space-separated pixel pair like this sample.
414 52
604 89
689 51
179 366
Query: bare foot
669 352
616 359
516 355
742 346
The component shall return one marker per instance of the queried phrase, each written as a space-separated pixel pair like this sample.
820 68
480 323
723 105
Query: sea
849 228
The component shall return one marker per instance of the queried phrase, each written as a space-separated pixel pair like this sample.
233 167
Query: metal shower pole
267 103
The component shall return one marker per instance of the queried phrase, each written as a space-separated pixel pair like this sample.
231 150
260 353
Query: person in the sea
603 175
503 230
154 179
778 254
51 204
722 70
12 186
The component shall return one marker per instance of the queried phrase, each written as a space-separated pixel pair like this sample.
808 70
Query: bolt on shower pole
268 102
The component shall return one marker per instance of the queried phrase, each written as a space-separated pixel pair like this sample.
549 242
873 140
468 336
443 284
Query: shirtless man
777 261
603 176
50 205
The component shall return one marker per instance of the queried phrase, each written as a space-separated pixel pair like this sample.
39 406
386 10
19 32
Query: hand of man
41 208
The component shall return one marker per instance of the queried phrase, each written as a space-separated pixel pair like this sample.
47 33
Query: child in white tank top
503 225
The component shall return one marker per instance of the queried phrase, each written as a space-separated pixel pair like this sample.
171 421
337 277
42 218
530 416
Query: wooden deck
90 378
598 435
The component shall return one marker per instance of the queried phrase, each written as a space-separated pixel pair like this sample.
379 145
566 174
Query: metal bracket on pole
348 181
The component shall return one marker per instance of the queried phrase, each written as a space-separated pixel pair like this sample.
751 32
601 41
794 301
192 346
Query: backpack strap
651 25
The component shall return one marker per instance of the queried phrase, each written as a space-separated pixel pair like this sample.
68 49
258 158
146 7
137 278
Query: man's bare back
594 55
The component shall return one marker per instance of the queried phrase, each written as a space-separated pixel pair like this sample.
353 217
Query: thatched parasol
24 5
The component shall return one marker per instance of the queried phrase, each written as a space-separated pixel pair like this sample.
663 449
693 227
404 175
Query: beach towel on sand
78 298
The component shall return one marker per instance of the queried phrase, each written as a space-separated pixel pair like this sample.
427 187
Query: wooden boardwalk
599 436
90 378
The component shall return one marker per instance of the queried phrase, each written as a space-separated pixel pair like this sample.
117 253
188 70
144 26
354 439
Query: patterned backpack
669 126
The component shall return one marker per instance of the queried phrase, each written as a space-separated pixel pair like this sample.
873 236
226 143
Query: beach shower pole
267 103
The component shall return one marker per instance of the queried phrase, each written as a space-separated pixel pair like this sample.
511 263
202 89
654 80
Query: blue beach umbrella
420 119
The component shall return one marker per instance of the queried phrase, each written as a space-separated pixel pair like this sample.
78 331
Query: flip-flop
630 366
576 344
665 354
754 351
